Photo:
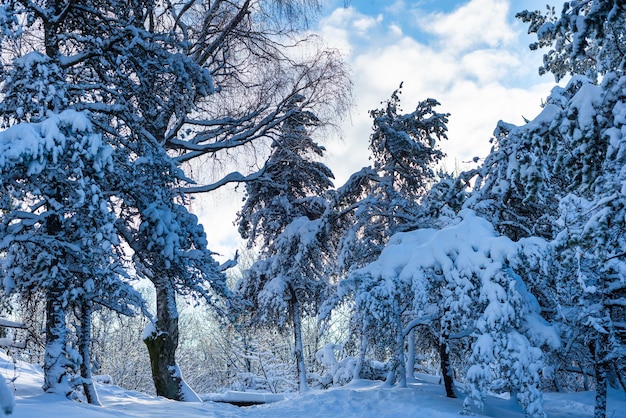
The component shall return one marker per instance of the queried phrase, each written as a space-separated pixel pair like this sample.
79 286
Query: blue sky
408 14
472 56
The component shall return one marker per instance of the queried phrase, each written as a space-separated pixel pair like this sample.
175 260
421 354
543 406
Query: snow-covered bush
335 372
462 280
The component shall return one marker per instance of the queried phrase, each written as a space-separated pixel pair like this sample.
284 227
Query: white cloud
335 29
477 65
487 65
395 29
478 23
217 211
475 109
365 23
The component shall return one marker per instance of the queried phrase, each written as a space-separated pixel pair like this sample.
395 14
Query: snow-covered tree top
586 38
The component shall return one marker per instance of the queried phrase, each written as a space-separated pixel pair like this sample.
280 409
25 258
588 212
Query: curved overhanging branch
234 177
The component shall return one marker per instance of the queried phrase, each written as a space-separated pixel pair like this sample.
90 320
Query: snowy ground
423 398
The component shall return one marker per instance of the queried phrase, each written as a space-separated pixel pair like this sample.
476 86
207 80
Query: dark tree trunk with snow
601 366
410 355
297 337
84 338
55 361
163 342
601 390
362 351
398 362
446 370
400 353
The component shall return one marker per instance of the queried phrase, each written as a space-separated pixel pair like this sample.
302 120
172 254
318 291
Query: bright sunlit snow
425 397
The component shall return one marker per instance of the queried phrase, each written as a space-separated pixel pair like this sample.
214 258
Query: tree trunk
620 377
55 360
162 342
599 410
446 369
398 370
84 340
362 350
601 366
410 356
585 379
298 346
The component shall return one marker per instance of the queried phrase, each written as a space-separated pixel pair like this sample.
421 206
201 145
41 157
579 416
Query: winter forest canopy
509 277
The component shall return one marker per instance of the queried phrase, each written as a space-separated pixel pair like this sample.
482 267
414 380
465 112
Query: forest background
506 276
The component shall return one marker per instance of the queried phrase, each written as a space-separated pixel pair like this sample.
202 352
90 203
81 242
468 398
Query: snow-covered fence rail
11 341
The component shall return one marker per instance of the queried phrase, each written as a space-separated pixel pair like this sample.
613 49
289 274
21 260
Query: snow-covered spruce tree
588 38
383 199
58 231
380 200
556 177
565 163
591 238
549 178
292 183
518 187
196 81
283 212
61 199
527 178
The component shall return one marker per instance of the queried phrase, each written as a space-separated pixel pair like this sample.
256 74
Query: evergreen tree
587 38
284 211
553 178
557 177
58 231
591 235
461 280
292 183
385 199
57 210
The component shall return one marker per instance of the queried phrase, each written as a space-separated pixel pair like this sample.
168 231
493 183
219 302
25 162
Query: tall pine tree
379 201
283 212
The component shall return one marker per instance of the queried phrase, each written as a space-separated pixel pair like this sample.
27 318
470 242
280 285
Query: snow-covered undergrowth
424 397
